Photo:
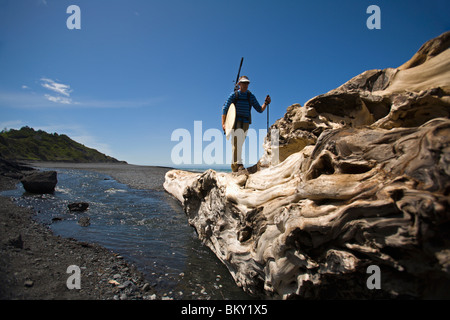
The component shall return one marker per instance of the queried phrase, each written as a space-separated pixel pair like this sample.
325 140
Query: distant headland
28 144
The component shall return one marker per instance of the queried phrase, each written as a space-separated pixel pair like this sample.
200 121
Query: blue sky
139 69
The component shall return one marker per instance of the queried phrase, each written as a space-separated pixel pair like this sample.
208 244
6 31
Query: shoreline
34 262
141 177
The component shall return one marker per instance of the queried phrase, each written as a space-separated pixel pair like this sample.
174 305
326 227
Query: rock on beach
84 221
78 206
40 182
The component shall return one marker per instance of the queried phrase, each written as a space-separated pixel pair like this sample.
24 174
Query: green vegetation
28 144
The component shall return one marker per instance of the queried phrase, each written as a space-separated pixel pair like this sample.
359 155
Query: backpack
236 98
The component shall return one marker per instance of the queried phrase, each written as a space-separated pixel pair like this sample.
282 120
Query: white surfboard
229 121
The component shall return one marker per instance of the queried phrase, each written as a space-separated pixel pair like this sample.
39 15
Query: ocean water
146 227
203 169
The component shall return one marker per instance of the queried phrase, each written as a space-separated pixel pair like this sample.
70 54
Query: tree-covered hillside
28 144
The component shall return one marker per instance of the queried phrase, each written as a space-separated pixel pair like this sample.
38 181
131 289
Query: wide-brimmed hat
244 79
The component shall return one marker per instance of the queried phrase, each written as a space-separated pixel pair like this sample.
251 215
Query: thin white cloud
28 99
22 100
62 100
120 103
54 86
60 96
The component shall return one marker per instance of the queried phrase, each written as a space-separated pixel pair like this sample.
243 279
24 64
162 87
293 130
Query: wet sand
137 177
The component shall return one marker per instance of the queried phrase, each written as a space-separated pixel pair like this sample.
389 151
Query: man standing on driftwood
243 100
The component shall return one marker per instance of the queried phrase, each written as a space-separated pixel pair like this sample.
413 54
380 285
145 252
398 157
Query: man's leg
238 138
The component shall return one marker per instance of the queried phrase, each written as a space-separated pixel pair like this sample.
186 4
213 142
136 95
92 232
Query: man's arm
256 105
224 116
225 109
263 107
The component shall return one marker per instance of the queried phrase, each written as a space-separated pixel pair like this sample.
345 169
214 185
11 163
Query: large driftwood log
362 180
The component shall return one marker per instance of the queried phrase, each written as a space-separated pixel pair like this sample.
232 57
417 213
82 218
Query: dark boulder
40 182
78 206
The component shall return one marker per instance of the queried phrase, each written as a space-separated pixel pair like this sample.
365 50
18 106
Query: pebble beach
35 256
34 262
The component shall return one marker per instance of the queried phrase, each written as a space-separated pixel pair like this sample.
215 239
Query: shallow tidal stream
146 227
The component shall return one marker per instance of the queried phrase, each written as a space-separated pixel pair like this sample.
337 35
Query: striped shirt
242 106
